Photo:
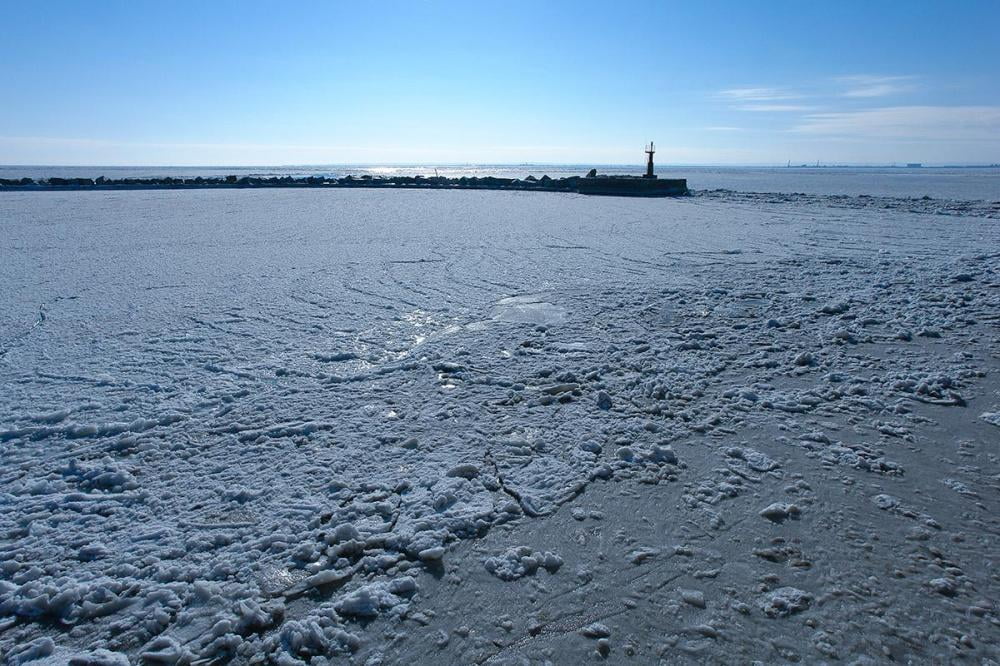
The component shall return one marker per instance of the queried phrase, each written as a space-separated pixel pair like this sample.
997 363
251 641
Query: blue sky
751 82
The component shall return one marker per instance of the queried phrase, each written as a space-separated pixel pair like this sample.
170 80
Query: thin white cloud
757 94
917 123
867 86
723 128
779 108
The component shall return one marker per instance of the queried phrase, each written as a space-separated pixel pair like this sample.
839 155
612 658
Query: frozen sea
356 426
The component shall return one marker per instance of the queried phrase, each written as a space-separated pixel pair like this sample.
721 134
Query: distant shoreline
484 165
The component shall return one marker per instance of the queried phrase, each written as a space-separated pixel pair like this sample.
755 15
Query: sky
338 82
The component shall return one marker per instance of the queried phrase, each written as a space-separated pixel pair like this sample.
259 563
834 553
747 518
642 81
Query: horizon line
794 165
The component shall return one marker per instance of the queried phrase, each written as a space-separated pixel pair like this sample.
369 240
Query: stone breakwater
588 185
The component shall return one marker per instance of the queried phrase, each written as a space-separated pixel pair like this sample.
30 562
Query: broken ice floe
529 309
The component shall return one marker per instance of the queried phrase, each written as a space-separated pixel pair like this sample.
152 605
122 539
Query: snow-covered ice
272 426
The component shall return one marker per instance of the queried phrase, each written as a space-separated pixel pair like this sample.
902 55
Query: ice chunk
785 601
780 511
464 470
595 630
993 418
371 600
521 561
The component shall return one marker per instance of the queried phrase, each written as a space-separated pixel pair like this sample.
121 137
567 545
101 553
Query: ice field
307 426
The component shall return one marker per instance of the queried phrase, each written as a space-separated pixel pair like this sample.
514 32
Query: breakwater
606 185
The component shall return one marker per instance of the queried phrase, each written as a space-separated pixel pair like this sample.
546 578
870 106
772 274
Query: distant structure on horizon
646 185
